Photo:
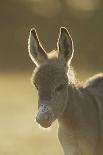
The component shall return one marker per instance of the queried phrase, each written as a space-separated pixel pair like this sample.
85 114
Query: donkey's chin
45 125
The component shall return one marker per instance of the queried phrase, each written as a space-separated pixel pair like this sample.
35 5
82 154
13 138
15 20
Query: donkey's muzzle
44 116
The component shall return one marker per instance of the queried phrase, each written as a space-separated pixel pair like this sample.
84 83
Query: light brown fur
79 109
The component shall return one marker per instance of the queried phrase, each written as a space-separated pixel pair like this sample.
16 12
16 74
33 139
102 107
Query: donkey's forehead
50 71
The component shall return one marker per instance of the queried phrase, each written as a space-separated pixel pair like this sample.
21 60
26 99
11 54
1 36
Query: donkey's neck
69 122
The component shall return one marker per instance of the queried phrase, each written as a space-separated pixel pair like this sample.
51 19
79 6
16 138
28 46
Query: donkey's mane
53 54
71 76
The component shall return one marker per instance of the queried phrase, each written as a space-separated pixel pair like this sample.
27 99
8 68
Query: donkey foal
79 109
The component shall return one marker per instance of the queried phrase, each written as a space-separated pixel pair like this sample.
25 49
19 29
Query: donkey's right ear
36 51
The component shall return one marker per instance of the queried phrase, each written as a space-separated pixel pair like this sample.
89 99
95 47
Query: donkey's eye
60 87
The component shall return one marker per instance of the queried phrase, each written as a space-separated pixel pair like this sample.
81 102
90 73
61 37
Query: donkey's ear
65 46
36 51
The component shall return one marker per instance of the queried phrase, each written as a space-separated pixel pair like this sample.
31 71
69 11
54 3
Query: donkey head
50 76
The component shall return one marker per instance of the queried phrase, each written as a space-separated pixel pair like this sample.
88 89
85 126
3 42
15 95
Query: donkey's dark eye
60 87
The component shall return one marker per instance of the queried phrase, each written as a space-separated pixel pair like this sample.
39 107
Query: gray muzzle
45 116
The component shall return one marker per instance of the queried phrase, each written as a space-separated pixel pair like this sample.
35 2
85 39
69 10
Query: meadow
19 133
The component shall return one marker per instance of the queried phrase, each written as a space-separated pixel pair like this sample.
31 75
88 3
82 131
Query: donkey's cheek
59 104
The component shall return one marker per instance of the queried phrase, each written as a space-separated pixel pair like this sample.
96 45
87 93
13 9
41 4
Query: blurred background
19 134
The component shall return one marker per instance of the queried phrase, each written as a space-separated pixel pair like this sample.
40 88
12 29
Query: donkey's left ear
65 46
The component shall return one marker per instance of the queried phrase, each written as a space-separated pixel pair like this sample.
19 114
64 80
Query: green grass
19 134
